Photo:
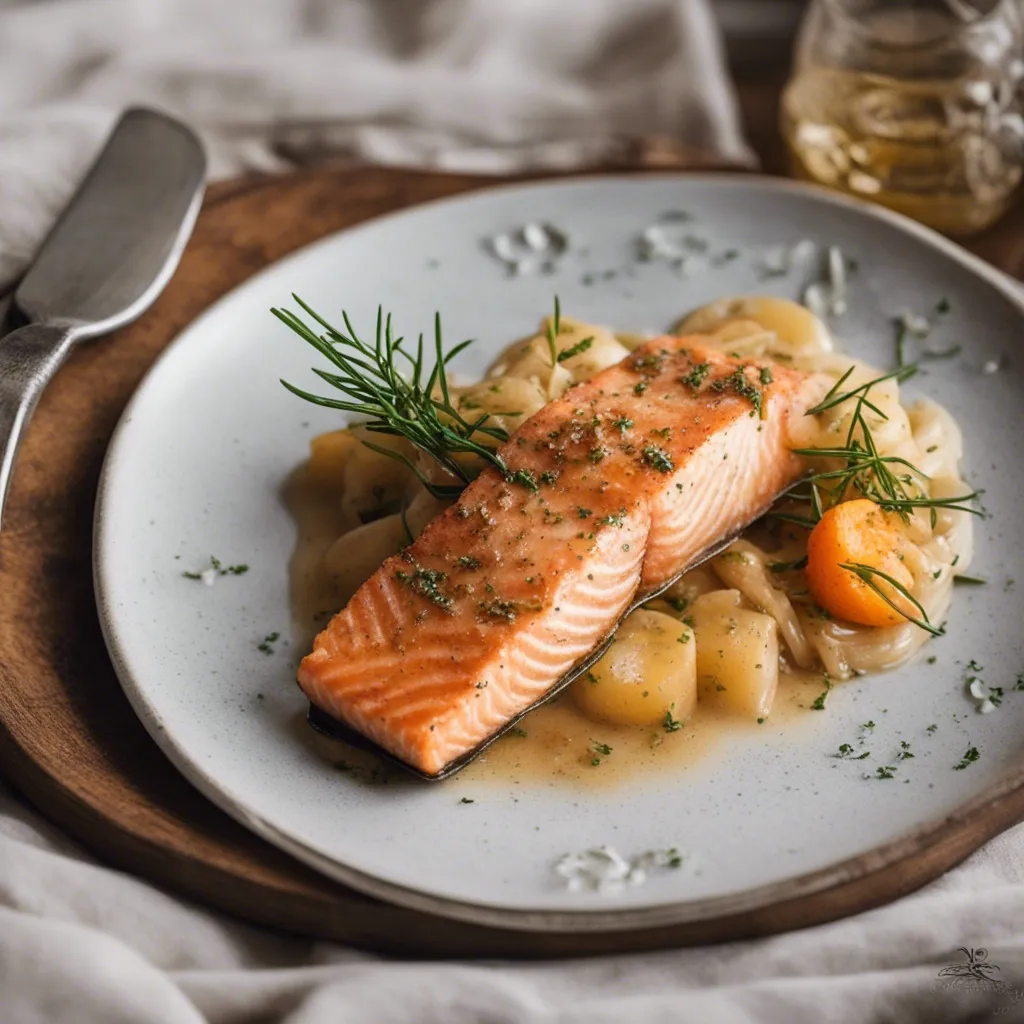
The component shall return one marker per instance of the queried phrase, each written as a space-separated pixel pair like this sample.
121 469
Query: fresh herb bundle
416 405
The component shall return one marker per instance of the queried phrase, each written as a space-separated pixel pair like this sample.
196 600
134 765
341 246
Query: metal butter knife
106 260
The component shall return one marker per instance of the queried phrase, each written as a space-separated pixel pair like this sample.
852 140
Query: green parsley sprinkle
658 458
972 755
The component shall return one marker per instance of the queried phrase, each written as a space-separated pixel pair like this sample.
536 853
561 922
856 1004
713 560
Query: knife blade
107 258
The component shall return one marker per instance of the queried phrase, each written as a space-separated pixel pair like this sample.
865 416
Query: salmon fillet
616 487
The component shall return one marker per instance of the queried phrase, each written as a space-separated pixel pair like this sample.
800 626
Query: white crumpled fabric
82 944
489 86
484 85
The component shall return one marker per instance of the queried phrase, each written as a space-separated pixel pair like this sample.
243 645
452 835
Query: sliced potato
328 455
507 401
530 360
797 331
355 556
744 567
422 509
596 347
737 655
366 480
647 673
688 588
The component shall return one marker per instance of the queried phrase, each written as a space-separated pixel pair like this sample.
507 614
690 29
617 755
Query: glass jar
915 104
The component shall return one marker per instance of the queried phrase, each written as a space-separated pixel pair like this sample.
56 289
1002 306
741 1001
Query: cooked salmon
613 490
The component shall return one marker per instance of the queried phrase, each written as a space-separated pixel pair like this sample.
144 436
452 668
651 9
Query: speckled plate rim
982 812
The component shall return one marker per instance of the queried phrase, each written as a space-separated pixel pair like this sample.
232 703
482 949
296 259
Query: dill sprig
892 482
416 405
867 573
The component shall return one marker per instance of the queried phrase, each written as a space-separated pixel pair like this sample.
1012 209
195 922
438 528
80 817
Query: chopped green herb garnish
696 376
217 568
904 753
640 387
623 423
614 519
575 350
465 800
467 562
506 610
658 458
970 581
766 375
931 729
670 724
846 751
972 755
426 583
885 772
554 329
819 701
267 645
740 383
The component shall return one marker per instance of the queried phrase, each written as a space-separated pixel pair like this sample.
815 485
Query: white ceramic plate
197 466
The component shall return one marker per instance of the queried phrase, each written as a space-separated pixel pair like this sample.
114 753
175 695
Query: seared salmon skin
612 491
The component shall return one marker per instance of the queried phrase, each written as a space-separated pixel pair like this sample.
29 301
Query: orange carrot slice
858 532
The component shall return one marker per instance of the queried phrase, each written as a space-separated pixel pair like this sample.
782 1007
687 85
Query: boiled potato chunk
798 332
372 481
737 655
366 480
328 454
530 360
422 509
649 671
507 401
596 347
355 556
593 349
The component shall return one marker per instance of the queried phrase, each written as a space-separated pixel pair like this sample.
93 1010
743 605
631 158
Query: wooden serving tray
68 737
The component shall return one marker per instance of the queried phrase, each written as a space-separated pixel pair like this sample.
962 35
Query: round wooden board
68 737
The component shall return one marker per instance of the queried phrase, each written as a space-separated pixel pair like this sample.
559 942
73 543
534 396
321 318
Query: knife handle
29 357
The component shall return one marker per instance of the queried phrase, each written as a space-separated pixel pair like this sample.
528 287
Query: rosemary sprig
892 482
866 574
836 397
416 405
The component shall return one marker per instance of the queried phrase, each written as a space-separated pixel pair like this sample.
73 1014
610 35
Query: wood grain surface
68 737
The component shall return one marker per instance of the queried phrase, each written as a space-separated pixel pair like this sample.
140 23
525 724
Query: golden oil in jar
923 130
